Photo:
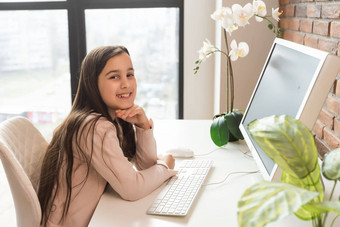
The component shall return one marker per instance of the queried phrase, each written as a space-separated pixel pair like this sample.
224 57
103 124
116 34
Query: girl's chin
123 107
127 106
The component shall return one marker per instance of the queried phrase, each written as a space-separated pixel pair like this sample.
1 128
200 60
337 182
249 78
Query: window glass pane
151 36
34 66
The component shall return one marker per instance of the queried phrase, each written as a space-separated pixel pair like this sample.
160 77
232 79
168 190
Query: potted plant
225 126
291 145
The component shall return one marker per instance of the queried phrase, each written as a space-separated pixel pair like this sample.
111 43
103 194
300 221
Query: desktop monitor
294 81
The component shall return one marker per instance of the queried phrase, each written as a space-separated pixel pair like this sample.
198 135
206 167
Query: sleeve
146 148
109 161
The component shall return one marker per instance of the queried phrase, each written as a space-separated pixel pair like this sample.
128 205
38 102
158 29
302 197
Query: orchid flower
276 13
219 14
242 14
228 21
260 9
206 50
240 50
225 16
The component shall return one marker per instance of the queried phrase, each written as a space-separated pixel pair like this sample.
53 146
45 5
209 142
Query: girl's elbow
130 196
130 193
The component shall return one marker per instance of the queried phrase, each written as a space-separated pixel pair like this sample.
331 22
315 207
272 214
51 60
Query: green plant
291 145
225 126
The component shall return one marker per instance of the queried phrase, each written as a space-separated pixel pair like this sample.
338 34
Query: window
44 42
34 66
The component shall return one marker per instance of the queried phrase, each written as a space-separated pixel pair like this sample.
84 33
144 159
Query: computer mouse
180 152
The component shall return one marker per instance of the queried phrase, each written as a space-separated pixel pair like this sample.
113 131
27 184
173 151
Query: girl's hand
168 159
134 115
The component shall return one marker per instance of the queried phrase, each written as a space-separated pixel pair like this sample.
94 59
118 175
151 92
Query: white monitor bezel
321 55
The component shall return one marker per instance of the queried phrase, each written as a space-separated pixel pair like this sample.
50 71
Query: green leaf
219 131
331 165
233 120
323 207
311 183
288 142
265 202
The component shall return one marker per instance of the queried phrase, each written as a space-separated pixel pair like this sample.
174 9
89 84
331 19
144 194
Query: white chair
22 149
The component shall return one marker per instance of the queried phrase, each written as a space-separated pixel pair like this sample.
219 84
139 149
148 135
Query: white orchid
260 9
276 13
225 16
240 50
228 21
242 14
206 50
219 14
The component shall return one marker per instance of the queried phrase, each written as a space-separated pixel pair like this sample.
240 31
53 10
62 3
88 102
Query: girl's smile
124 96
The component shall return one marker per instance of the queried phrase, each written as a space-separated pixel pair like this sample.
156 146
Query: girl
97 143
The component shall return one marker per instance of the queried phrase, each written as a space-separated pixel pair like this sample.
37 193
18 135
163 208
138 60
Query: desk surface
215 205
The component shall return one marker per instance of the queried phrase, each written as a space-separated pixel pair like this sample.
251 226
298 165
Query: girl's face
117 84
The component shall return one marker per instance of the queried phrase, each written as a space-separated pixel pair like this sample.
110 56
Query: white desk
216 205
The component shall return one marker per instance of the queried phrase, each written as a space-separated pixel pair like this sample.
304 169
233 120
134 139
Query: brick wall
316 23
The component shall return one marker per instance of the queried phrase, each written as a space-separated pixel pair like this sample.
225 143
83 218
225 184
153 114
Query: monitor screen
284 86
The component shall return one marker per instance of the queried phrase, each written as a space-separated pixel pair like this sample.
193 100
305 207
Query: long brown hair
59 151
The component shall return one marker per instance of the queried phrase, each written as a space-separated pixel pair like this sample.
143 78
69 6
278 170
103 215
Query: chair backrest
22 148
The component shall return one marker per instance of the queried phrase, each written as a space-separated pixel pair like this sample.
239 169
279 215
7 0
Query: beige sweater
109 165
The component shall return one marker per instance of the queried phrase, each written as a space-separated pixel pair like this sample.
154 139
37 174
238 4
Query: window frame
77 31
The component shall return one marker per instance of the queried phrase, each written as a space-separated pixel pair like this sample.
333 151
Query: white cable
208 152
222 181
245 153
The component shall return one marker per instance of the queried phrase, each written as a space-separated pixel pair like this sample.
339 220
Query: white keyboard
178 194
